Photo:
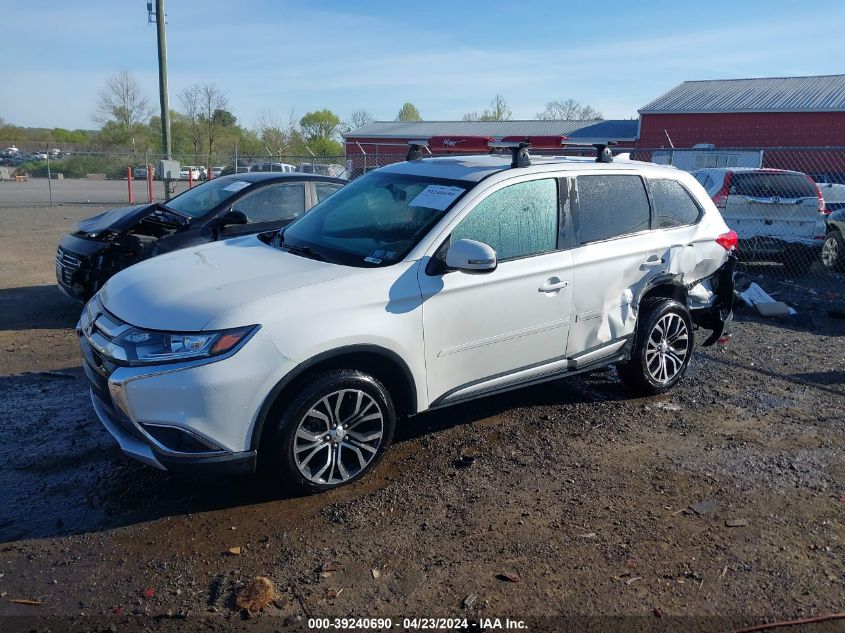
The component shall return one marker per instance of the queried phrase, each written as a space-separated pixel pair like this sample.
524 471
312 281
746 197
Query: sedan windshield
203 198
375 220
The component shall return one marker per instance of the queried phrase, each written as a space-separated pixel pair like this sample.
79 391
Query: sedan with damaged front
226 207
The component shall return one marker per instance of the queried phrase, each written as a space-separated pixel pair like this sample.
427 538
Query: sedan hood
116 220
187 289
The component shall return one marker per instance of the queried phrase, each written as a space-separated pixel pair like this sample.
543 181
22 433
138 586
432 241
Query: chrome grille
100 329
66 264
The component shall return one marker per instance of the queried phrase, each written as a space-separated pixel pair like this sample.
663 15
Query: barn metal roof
824 93
618 130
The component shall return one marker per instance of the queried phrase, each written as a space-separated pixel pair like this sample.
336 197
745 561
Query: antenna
518 150
415 149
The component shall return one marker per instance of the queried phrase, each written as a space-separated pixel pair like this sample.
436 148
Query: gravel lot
576 506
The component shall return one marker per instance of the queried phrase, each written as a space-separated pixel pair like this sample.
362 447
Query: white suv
419 285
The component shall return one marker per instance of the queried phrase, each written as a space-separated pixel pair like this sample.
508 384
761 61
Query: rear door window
274 203
609 206
772 184
673 205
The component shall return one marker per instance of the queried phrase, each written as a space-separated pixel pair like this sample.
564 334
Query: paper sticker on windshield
436 197
236 186
374 257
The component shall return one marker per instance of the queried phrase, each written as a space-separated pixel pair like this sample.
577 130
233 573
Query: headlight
142 347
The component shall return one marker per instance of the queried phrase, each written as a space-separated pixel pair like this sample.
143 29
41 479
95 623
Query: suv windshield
203 198
375 220
761 184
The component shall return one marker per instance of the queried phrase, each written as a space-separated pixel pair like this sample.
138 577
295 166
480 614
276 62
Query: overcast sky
447 58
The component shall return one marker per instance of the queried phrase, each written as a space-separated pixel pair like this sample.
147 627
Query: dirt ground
577 505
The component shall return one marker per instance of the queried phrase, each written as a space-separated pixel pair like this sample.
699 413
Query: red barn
386 142
776 112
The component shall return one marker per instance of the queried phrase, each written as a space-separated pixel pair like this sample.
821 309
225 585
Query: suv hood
185 290
118 220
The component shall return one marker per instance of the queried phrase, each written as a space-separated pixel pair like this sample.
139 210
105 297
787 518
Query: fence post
190 177
150 182
129 183
49 177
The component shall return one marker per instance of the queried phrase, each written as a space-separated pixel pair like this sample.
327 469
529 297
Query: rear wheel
663 347
336 429
833 251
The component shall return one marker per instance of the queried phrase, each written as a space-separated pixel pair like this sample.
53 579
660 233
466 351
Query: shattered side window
673 205
517 221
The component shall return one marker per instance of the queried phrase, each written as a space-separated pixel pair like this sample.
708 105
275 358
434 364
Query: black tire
639 373
833 252
280 454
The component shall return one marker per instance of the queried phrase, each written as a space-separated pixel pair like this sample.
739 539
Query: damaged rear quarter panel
611 277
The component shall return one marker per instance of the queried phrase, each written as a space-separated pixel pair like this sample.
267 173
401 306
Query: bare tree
569 110
358 118
212 102
122 104
190 100
121 101
498 111
274 135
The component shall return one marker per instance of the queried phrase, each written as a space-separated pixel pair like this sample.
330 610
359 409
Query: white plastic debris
754 296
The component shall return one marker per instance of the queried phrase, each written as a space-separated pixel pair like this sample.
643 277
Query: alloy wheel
338 437
667 348
830 252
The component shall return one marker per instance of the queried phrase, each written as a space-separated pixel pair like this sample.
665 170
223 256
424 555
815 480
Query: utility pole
160 19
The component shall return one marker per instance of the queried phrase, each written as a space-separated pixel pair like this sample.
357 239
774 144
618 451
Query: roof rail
603 153
518 150
415 149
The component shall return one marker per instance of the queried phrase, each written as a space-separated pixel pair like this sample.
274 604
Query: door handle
652 262
551 286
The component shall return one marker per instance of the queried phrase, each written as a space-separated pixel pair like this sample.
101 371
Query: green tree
319 132
409 112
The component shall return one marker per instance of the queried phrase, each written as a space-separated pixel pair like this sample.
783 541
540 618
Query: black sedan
225 207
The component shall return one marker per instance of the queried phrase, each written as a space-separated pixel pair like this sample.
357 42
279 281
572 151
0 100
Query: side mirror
470 256
233 217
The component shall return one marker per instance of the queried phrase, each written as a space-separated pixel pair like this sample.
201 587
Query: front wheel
662 349
336 428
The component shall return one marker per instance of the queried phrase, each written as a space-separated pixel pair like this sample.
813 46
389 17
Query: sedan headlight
143 347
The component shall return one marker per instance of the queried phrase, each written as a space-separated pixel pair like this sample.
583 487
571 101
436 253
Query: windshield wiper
163 207
305 251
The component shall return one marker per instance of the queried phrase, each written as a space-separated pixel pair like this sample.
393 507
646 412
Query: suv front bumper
187 416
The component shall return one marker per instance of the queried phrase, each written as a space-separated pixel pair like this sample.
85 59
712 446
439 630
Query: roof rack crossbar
518 151
415 149
603 153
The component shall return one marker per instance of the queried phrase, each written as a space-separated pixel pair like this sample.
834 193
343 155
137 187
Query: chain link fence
55 177
782 202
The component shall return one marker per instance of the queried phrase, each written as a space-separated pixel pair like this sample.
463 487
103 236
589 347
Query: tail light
721 197
822 204
728 240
